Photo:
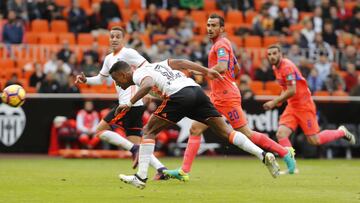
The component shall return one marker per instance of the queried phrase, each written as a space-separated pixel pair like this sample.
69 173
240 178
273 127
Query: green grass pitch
219 179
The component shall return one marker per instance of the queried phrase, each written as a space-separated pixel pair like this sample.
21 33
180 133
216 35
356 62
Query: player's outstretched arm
95 80
183 64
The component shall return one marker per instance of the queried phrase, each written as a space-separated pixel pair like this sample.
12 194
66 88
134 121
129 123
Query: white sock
244 143
154 162
145 152
116 139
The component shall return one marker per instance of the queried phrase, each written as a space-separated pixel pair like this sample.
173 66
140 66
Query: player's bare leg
147 146
270 145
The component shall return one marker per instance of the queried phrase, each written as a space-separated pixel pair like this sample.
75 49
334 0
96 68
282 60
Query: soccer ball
13 95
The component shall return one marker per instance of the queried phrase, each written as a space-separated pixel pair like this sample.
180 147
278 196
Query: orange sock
268 144
190 152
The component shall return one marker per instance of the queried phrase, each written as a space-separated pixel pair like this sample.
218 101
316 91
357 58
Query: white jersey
167 81
135 60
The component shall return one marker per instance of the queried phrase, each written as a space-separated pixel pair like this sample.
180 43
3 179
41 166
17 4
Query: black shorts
190 102
131 121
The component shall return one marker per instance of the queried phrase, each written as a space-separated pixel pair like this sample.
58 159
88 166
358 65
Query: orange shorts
307 120
234 114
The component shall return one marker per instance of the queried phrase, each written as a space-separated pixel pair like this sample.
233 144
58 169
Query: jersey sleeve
222 50
139 75
289 75
105 67
134 58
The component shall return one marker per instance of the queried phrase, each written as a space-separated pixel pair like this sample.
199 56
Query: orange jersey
223 90
288 74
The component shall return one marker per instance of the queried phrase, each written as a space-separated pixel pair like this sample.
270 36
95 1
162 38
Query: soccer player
301 109
226 98
131 121
182 98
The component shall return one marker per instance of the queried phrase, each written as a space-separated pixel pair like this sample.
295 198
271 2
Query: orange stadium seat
253 41
219 12
48 38
70 37
85 39
59 26
273 87
269 40
112 24
262 92
283 4
121 4
181 13
163 13
236 40
63 3
146 39
249 16
158 37
210 5
135 4
230 28
126 14
31 38
321 93
304 15
84 4
256 86
258 4
296 27
6 64
350 5
199 16
103 40
38 25
234 17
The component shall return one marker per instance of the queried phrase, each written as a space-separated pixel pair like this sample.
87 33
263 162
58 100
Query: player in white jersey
130 121
182 98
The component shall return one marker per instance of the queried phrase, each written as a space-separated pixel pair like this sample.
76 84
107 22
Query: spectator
244 87
141 49
135 40
157 3
291 12
110 11
300 40
344 14
315 83
179 52
153 22
48 9
281 24
71 87
97 24
264 73
172 21
185 32
172 39
246 64
52 65
65 52
13 31
274 8
197 53
350 55
246 5
192 4
19 7
86 121
226 5
329 34
355 91
74 65
14 80
294 54
335 19
135 24
49 85
320 47
62 74
37 77
350 77
325 9
302 5
323 67
263 24
308 31
90 68
3 8
317 20
334 81
304 67
355 23
93 52
77 19
159 51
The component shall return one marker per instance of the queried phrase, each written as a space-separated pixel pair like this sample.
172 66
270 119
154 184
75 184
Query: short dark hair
119 66
118 28
221 19
275 46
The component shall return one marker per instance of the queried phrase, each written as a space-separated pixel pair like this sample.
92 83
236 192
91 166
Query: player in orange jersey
226 98
301 109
